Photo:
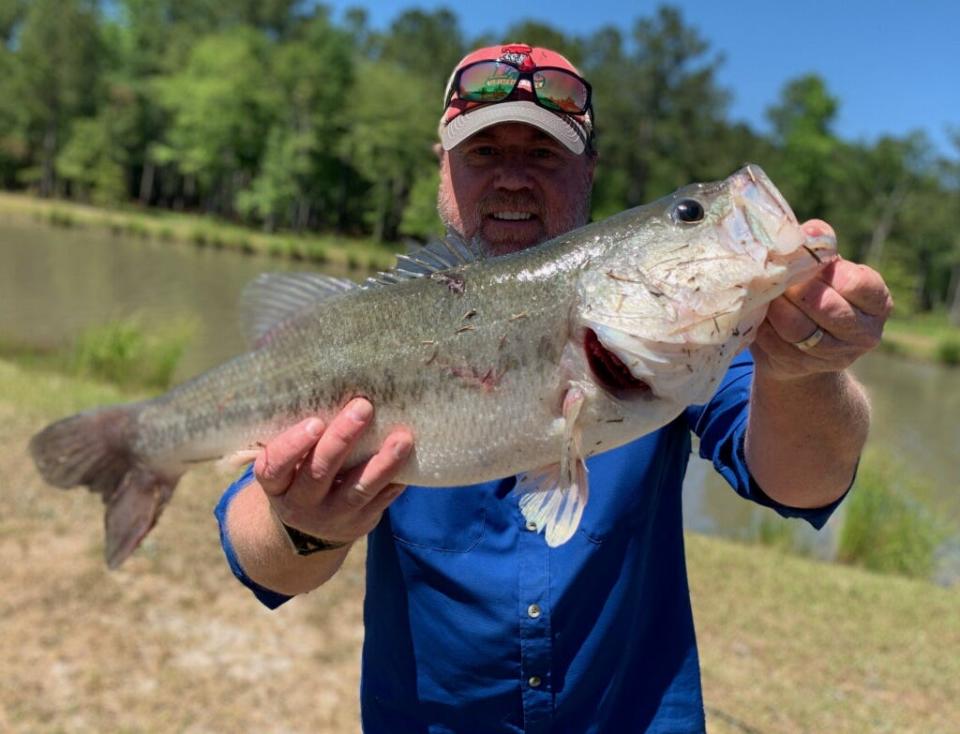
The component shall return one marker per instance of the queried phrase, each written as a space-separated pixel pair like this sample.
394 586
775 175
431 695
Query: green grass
202 231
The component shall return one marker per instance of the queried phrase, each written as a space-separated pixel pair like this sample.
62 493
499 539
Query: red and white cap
463 118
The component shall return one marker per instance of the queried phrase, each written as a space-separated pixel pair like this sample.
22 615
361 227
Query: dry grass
171 643
792 645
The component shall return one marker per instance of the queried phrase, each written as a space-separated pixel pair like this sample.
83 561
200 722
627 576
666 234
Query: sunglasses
555 89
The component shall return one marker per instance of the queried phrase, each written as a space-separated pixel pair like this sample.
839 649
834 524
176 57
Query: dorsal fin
451 251
272 298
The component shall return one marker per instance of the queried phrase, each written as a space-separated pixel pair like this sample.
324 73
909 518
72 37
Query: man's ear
438 151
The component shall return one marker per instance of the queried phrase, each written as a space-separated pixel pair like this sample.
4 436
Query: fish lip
759 178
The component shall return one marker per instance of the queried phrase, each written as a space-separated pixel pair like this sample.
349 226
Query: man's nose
512 174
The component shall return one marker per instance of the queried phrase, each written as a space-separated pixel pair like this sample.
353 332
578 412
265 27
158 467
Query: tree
426 44
389 140
300 179
658 108
55 76
802 123
221 109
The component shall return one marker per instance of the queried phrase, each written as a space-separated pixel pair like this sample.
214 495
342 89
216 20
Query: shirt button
533 611
534 681
532 526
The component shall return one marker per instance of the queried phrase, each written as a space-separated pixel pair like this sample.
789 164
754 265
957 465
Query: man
473 624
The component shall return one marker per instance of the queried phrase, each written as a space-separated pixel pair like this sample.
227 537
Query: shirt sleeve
268 598
721 425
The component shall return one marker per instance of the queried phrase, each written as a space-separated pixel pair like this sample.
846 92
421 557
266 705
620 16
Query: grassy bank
200 231
171 642
928 337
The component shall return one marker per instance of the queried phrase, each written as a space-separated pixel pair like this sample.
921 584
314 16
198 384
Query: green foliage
87 162
123 352
420 217
883 529
948 349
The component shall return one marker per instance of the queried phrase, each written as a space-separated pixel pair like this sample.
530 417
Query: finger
366 482
313 480
832 312
787 361
791 324
275 466
817 228
382 501
860 285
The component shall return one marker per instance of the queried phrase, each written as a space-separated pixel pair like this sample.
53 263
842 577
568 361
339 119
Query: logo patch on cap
514 57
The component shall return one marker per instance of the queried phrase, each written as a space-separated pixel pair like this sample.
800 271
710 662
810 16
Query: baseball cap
462 118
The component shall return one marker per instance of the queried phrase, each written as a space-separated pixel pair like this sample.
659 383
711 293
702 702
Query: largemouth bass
524 363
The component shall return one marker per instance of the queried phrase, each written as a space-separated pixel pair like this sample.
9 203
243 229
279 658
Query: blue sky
894 65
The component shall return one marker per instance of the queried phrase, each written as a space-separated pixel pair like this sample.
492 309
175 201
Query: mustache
520 201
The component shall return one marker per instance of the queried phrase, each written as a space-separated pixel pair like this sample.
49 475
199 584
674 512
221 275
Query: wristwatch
305 544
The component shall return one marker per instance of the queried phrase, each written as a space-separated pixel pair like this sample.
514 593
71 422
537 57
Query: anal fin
554 497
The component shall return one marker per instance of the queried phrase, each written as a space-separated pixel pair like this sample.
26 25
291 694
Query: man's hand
848 302
808 416
300 472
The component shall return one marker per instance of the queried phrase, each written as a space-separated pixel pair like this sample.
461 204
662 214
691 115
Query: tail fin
94 449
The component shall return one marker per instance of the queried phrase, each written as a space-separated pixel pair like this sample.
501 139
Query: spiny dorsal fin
451 251
272 298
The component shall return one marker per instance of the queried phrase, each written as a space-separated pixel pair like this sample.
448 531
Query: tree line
272 113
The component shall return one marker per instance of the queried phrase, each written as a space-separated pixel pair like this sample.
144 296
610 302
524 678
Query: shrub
59 218
354 261
884 529
317 252
948 349
123 352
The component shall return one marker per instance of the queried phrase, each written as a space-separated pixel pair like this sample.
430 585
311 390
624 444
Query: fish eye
688 211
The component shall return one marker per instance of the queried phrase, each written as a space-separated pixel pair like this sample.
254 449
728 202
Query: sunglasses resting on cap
486 89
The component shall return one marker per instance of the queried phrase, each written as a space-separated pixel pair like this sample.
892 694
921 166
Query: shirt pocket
448 520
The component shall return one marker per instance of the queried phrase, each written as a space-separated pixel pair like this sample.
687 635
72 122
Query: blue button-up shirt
474 624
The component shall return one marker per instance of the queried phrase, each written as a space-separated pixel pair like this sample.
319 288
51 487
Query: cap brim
560 127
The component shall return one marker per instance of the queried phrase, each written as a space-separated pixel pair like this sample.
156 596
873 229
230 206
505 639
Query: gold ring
805 345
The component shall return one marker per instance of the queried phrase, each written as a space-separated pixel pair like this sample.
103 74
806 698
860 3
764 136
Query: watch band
304 544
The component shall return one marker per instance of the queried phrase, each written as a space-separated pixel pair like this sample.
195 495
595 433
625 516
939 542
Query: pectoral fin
555 496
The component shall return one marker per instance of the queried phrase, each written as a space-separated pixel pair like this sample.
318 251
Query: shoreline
354 253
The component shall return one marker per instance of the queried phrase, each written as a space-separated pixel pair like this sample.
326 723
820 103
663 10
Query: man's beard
559 222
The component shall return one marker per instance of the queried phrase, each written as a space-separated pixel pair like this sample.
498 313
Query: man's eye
543 153
484 150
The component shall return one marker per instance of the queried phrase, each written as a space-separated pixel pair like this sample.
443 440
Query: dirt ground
171 643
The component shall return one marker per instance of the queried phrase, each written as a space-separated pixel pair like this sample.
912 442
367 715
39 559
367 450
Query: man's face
514 186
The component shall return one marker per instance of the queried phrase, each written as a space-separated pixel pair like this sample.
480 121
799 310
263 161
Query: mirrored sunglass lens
487 82
560 91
